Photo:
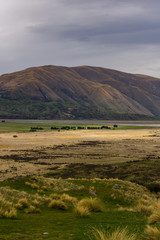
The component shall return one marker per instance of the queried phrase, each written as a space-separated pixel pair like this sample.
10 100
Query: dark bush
105 127
79 127
154 186
65 127
93 128
54 128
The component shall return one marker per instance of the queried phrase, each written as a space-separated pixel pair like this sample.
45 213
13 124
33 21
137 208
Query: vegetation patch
68 209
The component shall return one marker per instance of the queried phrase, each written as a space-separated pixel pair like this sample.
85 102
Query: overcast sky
117 34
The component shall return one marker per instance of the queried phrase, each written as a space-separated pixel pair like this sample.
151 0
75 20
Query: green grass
60 224
26 127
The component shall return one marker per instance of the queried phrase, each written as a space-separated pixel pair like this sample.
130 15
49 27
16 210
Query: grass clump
22 203
93 204
36 202
119 234
145 209
152 233
82 211
66 198
10 213
54 196
146 205
32 209
57 204
155 217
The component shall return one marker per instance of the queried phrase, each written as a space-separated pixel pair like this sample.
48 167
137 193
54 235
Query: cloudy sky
117 34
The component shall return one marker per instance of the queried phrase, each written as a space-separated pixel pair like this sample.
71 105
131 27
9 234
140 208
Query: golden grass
22 203
66 198
93 204
81 211
152 233
55 196
32 209
155 217
10 213
36 202
58 204
32 185
145 209
119 234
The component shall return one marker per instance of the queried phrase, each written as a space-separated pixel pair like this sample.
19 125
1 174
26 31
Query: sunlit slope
84 86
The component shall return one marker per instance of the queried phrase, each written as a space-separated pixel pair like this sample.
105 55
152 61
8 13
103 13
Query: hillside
54 92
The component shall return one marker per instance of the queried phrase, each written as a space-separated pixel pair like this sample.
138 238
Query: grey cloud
106 33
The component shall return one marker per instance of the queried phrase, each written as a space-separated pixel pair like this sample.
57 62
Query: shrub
81 211
105 127
58 204
154 186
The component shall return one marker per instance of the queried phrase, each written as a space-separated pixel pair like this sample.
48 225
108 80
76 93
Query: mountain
55 92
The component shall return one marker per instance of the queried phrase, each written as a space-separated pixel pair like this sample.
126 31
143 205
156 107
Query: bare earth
41 152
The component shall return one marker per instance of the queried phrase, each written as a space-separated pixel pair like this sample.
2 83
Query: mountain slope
78 92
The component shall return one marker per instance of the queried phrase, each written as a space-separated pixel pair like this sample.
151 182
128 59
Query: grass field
119 208
26 127
76 165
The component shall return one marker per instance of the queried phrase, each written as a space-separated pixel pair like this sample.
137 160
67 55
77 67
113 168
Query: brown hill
83 87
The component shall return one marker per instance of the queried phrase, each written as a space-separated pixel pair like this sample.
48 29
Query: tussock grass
58 204
82 211
5 204
10 213
55 196
22 203
146 205
66 198
155 217
93 204
32 185
119 234
36 202
32 209
152 233
145 209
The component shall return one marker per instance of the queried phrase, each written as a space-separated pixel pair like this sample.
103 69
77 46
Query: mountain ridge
104 92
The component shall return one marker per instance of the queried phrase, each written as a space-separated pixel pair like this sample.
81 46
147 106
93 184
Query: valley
75 184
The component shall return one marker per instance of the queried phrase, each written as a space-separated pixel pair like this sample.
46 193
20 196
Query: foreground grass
111 203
